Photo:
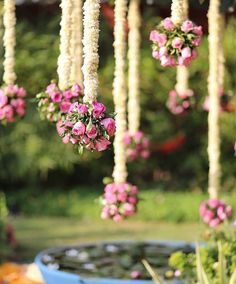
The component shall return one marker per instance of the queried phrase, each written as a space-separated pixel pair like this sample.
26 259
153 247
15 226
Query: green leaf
233 278
155 276
222 265
201 274
90 124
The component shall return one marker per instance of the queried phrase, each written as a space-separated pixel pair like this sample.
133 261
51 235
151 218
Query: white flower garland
90 49
134 21
213 88
64 59
9 41
76 43
177 11
119 91
182 75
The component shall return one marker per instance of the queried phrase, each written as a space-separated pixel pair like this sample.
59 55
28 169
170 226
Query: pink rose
154 36
79 128
138 136
76 90
65 106
51 88
196 41
102 144
158 38
98 109
82 109
56 97
194 54
163 51
73 140
18 103
214 223
85 140
127 139
155 54
109 125
132 154
68 94
129 209
8 112
186 52
20 111
208 216
187 26
177 42
145 154
92 132
132 200
117 218
66 139
198 30
21 93
11 89
60 128
3 99
165 61
168 24
214 203
122 197
110 197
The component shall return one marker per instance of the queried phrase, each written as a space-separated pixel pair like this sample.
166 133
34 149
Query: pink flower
122 197
194 54
98 109
154 36
187 26
21 93
155 54
68 94
82 109
51 107
145 154
198 30
127 139
214 203
91 132
214 223
20 111
186 52
8 112
135 274
168 24
166 61
65 106
56 97
3 99
66 139
163 51
11 90
60 128
138 136
109 125
132 200
85 140
79 128
196 41
177 42
102 144
161 40
117 218
73 140
129 209
51 88
208 216
18 103
235 146
76 90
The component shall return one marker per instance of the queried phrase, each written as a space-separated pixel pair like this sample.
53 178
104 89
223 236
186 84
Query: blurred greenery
32 153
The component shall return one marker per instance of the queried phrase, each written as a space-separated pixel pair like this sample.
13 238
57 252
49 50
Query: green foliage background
32 153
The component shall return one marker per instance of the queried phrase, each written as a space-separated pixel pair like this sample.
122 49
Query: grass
83 204
36 234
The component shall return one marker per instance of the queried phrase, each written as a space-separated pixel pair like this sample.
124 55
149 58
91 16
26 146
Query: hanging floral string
76 43
137 144
213 88
181 99
12 104
120 198
175 40
87 125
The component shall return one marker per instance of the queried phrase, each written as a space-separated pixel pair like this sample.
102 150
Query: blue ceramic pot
52 276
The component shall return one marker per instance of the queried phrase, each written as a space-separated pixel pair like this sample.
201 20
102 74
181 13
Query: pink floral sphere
137 146
175 45
180 103
12 103
214 212
119 201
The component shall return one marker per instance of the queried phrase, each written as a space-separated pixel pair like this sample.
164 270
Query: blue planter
52 276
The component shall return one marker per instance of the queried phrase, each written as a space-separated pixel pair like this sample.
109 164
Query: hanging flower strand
181 99
120 198
87 125
55 102
175 40
12 103
213 89
137 145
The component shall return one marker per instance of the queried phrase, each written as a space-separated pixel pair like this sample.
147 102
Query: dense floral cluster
225 102
54 104
180 103
214 212
137 146
87 126
12 103
119 201
175 45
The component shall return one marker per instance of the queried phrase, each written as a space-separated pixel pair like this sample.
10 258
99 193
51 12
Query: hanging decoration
12 103
214 87
175 40
120 198
136 143
181 99
87 125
